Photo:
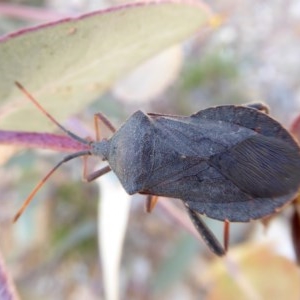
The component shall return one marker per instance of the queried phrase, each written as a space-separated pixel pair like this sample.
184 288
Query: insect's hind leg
259 106
207 235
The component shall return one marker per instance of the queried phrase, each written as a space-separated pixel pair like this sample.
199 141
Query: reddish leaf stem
56 142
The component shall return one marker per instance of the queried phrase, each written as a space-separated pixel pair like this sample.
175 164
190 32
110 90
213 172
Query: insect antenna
64 160
41 183
41 108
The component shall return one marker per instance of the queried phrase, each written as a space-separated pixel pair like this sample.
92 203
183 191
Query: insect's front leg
207 235
259 106
94 175
100 117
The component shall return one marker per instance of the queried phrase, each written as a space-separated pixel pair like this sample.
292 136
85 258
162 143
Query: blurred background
53 251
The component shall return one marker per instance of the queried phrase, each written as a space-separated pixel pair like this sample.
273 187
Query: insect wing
185 163
261 166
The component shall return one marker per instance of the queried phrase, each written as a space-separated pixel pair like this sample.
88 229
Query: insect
230 163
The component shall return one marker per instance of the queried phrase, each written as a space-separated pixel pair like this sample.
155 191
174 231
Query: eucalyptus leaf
68 63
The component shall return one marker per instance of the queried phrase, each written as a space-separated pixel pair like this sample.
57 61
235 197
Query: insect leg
150 203
207 235
226 234
90 177
100 117
96 174
260 106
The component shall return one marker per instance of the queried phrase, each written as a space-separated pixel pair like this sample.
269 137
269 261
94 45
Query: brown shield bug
230 163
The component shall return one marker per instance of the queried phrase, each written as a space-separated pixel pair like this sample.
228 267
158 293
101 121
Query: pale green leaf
69 63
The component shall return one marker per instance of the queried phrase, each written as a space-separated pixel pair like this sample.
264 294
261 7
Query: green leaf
69 63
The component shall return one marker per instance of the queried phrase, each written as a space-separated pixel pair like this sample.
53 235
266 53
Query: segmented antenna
64 160
41 183
51 118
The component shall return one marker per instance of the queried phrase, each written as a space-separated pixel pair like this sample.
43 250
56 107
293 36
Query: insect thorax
130 151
